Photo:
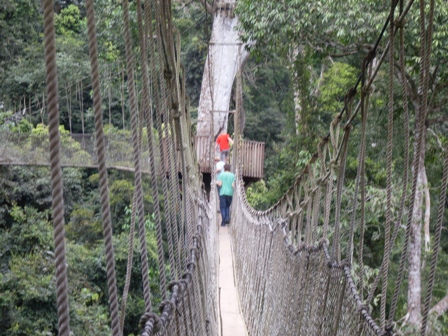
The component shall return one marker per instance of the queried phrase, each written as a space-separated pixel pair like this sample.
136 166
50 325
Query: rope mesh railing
163 150
77 150
294 262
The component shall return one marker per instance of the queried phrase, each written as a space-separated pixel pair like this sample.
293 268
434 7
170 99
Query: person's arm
219 182
233 185
217 143
219 166
230 141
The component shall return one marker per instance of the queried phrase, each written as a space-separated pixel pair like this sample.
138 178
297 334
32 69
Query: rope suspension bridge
293 263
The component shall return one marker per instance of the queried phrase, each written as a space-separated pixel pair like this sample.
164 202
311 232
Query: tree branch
207 6
437 120
440 308
348 53
439 142
412 90
427 215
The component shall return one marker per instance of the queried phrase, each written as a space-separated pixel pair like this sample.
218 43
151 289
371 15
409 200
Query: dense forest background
302 63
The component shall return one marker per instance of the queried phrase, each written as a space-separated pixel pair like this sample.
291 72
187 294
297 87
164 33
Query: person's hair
217 158
227 167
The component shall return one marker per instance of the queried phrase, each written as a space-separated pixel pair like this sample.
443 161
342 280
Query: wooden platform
252 157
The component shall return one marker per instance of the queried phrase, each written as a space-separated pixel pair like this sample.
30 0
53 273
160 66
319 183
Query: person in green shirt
226 181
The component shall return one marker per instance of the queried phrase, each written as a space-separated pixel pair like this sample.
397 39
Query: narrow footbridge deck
232 323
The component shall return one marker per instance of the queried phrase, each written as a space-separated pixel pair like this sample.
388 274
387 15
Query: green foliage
26 251
88 315
20 24
254 194
84 226
326 25
68 21
337 80
27 281
24 126
194 29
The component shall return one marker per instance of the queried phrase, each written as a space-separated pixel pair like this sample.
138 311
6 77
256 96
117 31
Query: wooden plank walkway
232 323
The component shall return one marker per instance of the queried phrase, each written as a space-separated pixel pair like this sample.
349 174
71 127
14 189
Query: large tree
225 57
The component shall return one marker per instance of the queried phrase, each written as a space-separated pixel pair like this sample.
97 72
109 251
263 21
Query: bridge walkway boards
232 323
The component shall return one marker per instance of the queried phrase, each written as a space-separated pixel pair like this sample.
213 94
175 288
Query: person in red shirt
223 142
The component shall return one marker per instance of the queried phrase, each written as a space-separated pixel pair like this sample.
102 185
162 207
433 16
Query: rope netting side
297 268
189 307
287 286
135 125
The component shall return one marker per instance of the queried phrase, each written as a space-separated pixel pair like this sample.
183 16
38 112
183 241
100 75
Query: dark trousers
224 205
224 154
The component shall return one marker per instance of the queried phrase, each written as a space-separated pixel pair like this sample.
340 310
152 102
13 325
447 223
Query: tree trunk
427 211
415 247
109 83
297 96
226 54
81 107
122 96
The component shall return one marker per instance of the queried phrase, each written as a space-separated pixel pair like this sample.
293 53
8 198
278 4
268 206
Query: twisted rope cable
316 210
436 246
56 171
174 143
405 180
190 199
183 143
148 117
318 193
154 65
360 174
171 106
420 128
130 245
404 192
328 193
158 67
104 189
308 230
172 90
293 221
340 186
390 135
427 63
127 282
362 163
328 197
136 157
